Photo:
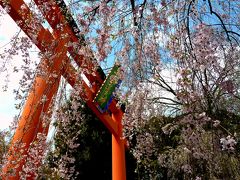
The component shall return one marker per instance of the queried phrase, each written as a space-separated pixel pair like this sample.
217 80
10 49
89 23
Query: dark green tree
82 146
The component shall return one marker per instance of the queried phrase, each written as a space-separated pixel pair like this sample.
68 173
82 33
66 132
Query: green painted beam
104 95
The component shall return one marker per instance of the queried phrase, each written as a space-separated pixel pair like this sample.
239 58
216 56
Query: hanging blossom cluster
201 70
202 75
69 120
140 108
34 157
228 143
144 147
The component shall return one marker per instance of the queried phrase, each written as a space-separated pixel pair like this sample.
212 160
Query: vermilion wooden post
118 150
30 122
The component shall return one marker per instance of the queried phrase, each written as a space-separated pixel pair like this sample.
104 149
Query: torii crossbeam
46 85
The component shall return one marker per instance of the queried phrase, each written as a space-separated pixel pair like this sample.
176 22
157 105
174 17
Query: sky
8 29
7 109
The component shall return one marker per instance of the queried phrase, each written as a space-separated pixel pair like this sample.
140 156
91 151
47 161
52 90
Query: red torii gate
30 122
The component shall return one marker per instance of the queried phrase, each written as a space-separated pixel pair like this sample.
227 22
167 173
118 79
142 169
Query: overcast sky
8 29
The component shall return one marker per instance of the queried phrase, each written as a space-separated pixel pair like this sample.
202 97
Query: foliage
82 146
4 136
172 157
